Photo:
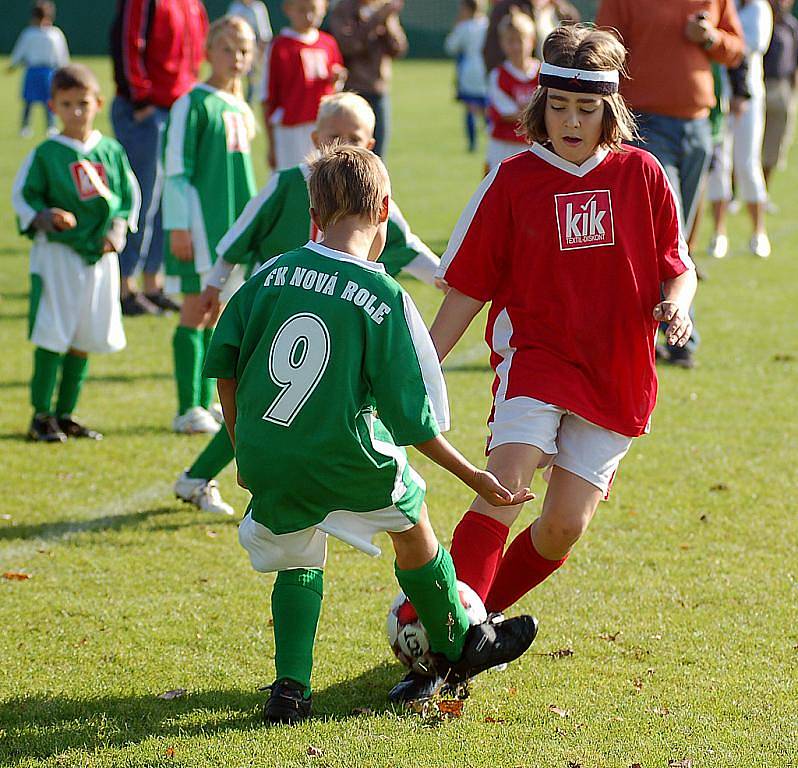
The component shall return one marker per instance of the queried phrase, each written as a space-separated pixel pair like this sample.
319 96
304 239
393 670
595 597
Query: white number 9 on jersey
297 361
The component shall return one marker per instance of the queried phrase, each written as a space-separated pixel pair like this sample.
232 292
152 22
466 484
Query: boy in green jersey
325 370
76 198
276 221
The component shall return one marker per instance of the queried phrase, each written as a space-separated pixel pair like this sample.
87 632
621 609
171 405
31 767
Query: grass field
670 635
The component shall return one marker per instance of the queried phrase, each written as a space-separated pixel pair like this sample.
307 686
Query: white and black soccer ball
407 636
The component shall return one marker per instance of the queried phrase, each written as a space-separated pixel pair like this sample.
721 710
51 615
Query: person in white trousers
742 145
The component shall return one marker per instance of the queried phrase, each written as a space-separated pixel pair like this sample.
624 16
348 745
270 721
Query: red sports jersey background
516 86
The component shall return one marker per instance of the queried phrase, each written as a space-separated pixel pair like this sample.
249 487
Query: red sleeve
475 258
135 17
611 14
336 57
275 75
729 46
673 257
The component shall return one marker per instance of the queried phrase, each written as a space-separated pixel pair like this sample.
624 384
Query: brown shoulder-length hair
580 46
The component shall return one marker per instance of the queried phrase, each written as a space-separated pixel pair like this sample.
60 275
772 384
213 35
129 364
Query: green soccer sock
42 382
207 386
433 591
296 606
216 455
73 374
187 346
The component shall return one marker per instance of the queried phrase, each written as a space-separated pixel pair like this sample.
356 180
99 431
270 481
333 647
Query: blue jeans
381 104
142 142
684 148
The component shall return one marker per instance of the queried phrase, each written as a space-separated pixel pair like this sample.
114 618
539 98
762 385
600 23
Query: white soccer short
292 144
78 306
569 441
499 150
308 548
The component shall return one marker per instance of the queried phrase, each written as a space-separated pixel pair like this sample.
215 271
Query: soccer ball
407 636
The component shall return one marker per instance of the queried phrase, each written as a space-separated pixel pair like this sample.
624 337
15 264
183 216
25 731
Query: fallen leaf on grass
704 518
490 719
176 693
783 358
636 765
211 534
719 487
314 752
450 707
572 764
685 762
684 545
610 637
559 711
638 684
512 690
14 576
661 711
170 752
560 653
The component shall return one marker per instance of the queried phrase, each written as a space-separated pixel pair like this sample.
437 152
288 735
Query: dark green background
86 22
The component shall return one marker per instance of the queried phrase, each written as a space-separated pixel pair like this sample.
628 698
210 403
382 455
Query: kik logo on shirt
90 179
235 129
584 219
315 64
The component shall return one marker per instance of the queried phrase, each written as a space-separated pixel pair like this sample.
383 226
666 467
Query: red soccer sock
477 546
522 568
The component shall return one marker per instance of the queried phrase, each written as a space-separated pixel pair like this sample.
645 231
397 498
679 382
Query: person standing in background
465 43
370 36
546 14
671 89
781 65
742 144
41 48
157 48
255 13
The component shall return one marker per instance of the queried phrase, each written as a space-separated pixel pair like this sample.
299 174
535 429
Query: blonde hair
517 21
347 103
347 181
580 46
234 26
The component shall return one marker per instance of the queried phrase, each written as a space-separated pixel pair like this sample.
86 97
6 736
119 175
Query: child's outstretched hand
680 326
62 220
209 300
490 489
180 244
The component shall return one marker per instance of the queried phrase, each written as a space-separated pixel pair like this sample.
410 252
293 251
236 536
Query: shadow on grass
52 532
105 378
42 726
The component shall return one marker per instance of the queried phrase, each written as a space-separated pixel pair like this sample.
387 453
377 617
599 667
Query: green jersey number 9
297 360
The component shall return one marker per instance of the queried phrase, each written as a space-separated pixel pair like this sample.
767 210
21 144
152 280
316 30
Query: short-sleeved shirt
90 179
572 259
320 342
297 74
509 91
43 46
277 219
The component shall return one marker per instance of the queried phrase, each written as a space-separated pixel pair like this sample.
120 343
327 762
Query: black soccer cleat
44 429
287 704
71 428
488 645
415 687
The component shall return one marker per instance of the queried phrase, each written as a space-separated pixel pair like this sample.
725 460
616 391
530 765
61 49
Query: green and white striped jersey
278 220
319 343
90 179
209 174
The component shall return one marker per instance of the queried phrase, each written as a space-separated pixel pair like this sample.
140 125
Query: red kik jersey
572 259
299 71
509 91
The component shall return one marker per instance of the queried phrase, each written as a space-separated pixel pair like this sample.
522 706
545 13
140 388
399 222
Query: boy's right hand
62 220
490 489
180 244
209 300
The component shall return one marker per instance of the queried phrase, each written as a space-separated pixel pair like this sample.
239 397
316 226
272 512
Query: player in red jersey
303 65
511 86
575 244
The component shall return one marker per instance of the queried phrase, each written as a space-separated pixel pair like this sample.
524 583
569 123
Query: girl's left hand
680 326
490 489
180 244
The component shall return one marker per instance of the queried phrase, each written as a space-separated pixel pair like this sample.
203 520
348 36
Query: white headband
579 80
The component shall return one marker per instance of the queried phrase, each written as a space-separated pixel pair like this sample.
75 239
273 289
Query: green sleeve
405 250
256 222
404 375
129 192
29 192
181 138
221 361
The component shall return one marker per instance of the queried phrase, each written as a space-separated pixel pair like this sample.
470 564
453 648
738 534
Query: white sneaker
202 493
760 245
718 246
26 132
216 411
195 420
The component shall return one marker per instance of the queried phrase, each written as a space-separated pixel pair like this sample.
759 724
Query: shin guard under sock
477 546
188 354
42 382
73 374
296 606
522 568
